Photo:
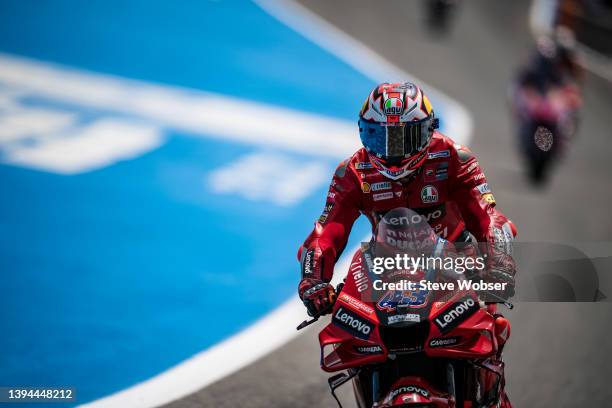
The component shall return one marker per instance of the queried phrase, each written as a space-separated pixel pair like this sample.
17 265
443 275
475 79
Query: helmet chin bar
402 171
392 174
395 175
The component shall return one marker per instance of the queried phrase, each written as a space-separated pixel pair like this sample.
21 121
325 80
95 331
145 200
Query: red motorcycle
413 348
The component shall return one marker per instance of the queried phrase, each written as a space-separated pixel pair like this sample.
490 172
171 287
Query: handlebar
328 309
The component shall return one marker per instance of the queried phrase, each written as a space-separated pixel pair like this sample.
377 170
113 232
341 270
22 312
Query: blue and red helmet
396 124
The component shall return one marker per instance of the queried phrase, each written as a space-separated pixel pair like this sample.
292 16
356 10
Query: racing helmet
396 123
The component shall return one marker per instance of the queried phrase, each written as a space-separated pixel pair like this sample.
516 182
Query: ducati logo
429 194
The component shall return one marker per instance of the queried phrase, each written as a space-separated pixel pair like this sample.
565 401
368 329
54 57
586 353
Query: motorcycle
547 120
413 348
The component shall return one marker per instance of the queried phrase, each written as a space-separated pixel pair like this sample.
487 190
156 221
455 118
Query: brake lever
306 323
500 299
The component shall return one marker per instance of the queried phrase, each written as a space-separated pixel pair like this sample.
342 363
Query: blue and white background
160 163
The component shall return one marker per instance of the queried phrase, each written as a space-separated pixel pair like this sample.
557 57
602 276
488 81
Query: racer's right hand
318 296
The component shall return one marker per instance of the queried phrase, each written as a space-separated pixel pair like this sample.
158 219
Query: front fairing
361 332
369 325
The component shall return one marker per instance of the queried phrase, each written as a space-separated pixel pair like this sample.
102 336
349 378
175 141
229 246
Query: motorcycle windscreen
400 298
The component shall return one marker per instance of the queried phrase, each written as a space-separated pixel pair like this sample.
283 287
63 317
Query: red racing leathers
449 190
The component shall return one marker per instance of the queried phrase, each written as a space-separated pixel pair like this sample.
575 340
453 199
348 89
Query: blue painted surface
112 276
231 47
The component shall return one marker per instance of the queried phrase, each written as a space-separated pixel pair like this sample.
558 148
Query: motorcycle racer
554 63
404 162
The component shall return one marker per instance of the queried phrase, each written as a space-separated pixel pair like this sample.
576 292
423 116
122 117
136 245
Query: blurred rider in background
554 63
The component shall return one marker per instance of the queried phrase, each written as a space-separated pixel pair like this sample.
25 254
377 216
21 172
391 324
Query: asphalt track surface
559 353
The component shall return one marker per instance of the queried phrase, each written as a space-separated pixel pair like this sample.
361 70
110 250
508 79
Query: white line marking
102 143
213 364
267 176
194 112
17 124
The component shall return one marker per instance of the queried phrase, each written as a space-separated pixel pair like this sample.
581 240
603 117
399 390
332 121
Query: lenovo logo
457 313
352 323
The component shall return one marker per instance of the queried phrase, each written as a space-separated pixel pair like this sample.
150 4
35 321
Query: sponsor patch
402 220
441 174
352 323
436 173
395 173
383 185
436 155
409 389
365 176
442 169
368 349
308 262
489 198
326 210
471 167
401 318
394 106
403 298
365 187
363 165
429 194
356 303
382 196
457 313
360 277
434 213
483 188
444 341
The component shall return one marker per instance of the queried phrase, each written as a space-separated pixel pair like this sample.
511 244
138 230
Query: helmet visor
396 141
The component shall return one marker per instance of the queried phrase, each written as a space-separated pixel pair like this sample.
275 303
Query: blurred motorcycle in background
546 99
546 120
